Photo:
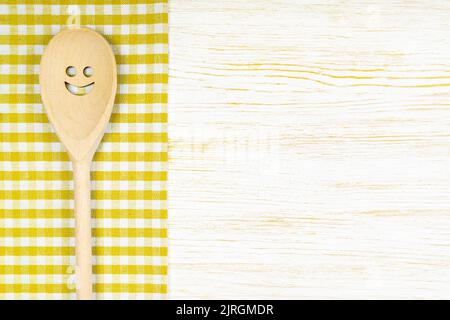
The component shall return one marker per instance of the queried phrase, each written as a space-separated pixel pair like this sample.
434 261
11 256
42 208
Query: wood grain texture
309 147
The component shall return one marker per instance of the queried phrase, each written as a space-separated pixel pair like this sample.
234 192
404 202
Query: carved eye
71 71
88 71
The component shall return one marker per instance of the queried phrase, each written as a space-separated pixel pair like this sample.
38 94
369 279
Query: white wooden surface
309 149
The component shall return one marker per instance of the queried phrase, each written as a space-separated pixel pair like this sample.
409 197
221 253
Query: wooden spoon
78 80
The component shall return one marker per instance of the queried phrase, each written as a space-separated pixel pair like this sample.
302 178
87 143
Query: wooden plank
309 147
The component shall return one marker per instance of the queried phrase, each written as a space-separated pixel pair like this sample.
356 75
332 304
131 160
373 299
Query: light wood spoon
78 80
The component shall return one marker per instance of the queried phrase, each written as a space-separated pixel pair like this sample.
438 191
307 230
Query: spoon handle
83 248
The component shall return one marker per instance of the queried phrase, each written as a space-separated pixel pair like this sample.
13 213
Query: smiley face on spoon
71 71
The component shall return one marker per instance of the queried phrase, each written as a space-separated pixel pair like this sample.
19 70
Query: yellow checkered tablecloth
129 170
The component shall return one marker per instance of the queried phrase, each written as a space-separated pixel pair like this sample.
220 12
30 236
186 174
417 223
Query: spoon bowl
79 119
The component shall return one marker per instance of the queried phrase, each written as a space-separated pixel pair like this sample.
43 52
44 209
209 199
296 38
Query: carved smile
79 90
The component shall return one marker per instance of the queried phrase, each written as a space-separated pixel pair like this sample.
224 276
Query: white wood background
309 149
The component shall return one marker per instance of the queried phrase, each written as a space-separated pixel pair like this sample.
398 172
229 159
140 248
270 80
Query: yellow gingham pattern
129 170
